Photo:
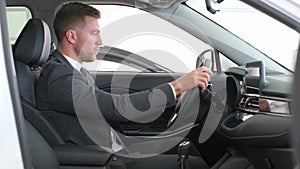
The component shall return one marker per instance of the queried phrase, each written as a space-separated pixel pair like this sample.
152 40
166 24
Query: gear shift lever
183 149
183 153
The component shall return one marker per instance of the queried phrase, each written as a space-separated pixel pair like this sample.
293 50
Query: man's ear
71 36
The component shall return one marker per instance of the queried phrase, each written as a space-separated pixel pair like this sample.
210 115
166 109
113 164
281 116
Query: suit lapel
86 75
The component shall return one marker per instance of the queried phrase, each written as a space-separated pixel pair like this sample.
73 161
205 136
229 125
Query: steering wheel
191 95
215 99
194 95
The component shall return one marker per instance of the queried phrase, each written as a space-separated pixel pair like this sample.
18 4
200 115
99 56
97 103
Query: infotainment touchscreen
255 77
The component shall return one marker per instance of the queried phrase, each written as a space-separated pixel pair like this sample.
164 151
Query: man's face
89 40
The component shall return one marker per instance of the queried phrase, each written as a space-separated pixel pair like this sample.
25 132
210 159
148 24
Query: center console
258 117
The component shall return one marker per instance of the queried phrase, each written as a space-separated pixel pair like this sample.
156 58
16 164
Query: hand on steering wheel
199 77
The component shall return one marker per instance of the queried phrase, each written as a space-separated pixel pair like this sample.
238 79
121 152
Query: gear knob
184 149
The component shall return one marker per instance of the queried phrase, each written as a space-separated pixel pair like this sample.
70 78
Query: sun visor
142 4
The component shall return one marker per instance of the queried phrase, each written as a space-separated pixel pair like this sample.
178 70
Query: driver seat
42 155
31 50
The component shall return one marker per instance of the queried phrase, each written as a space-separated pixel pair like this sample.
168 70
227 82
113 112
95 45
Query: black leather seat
31 50
41 153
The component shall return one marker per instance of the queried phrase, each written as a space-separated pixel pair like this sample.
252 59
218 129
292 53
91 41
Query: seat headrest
32 47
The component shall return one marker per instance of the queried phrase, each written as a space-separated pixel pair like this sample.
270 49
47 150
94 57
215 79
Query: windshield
266 34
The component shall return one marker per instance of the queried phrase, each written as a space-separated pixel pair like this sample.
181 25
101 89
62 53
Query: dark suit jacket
71 98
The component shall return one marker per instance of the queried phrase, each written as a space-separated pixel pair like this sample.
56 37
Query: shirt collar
76 65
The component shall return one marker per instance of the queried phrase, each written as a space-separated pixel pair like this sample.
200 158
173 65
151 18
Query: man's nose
99 40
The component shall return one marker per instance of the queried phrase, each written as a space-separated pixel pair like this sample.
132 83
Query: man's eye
96 33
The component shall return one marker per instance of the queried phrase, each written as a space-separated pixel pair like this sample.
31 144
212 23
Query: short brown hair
71 15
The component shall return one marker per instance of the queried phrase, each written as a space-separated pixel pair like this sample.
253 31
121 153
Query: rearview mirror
211 5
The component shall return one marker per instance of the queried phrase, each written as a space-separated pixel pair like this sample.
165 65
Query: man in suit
67 89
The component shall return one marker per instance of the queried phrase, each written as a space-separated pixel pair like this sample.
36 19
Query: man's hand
198 77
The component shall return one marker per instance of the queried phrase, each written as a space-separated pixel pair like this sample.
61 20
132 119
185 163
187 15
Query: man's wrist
177 90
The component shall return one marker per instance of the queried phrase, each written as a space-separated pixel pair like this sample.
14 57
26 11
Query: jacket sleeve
69 92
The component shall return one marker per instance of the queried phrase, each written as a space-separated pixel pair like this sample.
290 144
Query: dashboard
258 106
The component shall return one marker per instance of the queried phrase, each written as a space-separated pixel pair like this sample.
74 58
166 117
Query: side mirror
205 59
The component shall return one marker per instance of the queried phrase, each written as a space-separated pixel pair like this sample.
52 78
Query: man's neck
68 52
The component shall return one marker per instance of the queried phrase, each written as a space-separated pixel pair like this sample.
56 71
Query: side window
148 36
17 17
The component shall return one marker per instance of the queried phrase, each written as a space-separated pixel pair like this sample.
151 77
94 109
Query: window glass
149 36
226 63
268 35
17 17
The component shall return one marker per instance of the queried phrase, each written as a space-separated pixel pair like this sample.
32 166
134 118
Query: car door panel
128 82
134 82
